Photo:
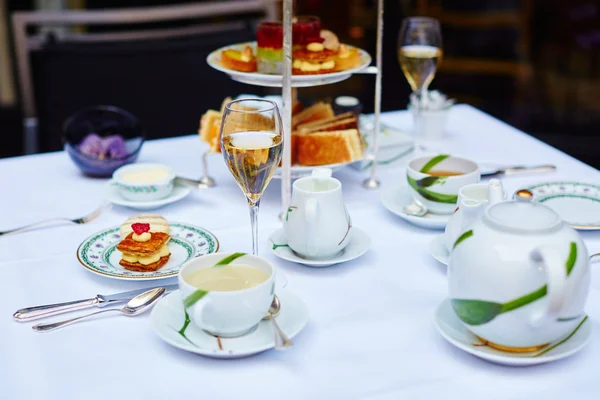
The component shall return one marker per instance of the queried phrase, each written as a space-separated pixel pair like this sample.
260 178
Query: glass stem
254 224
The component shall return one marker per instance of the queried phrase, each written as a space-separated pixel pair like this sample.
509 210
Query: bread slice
329 147
339 122
145 268
315 112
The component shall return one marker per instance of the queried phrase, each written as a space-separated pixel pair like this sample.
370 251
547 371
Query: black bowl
103 121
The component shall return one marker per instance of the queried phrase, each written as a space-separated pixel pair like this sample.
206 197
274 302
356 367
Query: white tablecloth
370 333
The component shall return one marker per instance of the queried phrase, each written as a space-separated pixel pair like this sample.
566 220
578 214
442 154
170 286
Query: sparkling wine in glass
252 146
420 51
419 54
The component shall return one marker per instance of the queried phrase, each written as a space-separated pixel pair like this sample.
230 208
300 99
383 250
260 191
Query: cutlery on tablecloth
83 220
518 170
29 313
135 306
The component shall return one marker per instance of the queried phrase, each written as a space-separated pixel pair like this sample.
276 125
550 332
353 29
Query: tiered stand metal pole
286 94
372 182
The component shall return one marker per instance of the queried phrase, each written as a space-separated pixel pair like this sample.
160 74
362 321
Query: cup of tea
227 294
434 181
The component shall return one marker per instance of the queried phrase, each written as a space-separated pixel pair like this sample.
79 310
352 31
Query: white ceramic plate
577 203
298 171
394 198
254 78
359 244
99 253
112 194
438 250
168 318
450 327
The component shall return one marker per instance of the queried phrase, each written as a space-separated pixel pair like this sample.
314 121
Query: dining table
370 332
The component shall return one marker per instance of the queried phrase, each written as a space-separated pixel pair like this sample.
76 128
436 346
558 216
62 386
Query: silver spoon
415 208
273 311
135 306
594 256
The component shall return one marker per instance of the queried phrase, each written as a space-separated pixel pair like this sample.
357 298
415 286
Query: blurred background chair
149 61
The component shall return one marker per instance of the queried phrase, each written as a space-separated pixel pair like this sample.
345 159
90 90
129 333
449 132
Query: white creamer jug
317 224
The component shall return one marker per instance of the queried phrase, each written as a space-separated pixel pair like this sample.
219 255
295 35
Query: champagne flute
419 54
252 146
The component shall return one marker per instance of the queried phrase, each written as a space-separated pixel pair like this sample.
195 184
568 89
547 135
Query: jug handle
311 223
556 278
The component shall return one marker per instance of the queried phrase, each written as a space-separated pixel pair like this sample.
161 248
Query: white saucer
111 193
394 198
359 244
438 250
168 318
450 327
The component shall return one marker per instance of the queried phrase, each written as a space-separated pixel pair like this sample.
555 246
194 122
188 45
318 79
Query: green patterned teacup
440 193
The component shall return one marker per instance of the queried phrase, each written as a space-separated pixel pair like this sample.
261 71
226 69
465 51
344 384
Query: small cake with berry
144 241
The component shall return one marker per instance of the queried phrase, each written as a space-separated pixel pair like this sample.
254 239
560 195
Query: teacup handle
198 309
311 224
556 278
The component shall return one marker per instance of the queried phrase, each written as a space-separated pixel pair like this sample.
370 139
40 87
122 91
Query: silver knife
518 169
100 300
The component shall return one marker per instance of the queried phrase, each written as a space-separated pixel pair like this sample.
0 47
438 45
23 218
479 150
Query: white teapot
519 276
472 200
317 224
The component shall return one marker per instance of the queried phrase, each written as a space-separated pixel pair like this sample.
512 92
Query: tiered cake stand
289 81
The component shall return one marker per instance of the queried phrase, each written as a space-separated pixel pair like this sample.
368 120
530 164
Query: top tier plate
254 78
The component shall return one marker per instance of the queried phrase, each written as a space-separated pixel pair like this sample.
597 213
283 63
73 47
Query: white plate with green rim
396 197
255 78
453 330
99 253
577 203
168 320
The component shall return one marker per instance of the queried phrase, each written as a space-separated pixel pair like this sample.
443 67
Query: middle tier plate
255 78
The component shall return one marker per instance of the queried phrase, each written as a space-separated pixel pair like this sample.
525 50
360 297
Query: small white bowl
137 183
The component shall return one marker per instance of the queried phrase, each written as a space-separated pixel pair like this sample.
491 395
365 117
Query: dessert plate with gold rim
168 321
358 245
452 329
99 253
255 78
396 197
577 203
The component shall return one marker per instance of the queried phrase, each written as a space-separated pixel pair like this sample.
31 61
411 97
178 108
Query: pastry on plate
313 59
243 61
339 122
315 112
346 58
144 241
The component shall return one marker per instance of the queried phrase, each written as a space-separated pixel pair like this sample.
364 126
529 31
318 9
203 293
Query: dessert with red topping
269 42
144 244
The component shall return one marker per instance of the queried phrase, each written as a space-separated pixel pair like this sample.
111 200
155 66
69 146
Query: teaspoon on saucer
281 339
135 306
415 208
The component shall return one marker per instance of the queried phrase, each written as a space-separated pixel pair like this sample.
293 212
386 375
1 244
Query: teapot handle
311 210
556 278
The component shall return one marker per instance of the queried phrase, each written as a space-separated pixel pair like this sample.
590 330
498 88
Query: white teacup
317 224
227 313
439 194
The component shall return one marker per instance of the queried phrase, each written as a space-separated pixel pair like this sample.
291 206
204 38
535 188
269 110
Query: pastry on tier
243 61
269 47
144 244
328 147
317 111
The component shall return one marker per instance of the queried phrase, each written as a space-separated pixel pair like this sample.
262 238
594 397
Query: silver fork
83 220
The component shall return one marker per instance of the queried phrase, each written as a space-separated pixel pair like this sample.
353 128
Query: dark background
532 63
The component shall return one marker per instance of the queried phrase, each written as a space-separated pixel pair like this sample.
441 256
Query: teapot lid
525 217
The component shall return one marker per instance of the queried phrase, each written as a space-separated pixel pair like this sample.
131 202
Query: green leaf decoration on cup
462 237
230 258
430 181
433 162
194 297
562 341
432 196
478 312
